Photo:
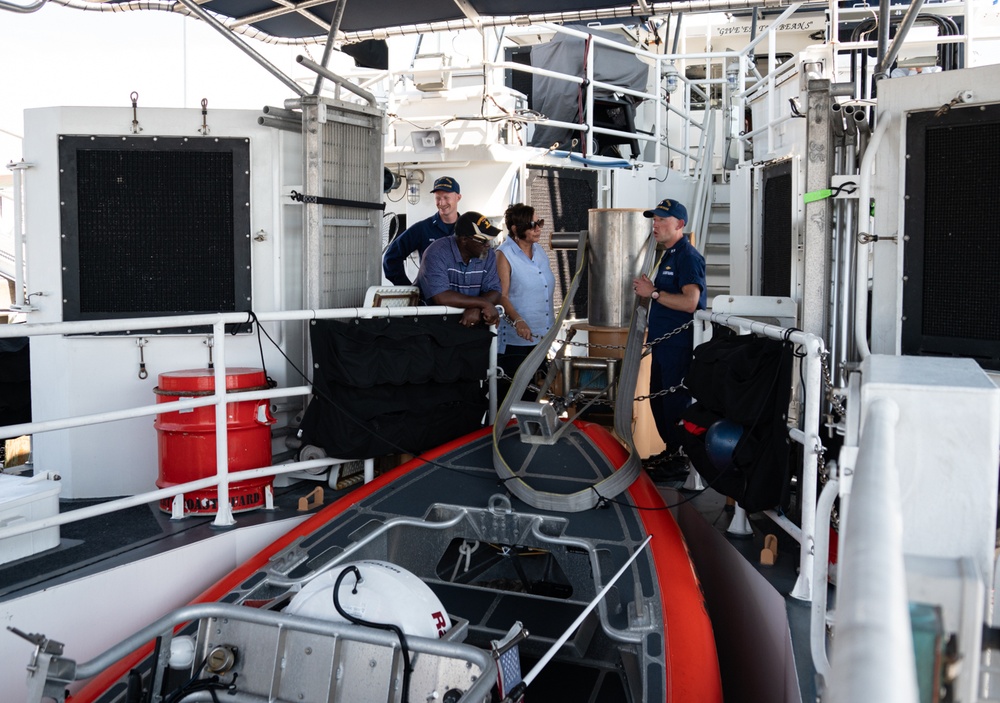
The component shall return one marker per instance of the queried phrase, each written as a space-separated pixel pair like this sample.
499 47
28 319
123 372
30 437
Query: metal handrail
872 660
223 477
808 437
586 126
165 626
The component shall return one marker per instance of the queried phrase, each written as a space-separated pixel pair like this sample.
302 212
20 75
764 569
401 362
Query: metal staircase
715 246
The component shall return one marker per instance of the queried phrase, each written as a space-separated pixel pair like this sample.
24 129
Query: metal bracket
204 130
48 672
536 421
135 112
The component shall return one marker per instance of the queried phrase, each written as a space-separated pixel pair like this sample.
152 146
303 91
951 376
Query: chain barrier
559 400
647 345
660 393
835 401
839 412
594 345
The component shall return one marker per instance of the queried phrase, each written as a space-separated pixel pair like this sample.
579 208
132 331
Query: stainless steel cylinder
616 240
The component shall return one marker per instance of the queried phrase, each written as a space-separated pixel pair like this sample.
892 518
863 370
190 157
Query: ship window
154 226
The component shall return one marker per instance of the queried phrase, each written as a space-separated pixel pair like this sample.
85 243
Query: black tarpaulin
394 385
15 381
559 100
747 380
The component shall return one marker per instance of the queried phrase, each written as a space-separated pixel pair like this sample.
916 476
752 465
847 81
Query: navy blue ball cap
446 184
668 208
472 224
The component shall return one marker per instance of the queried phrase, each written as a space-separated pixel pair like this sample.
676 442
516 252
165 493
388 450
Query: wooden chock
310 501
769 554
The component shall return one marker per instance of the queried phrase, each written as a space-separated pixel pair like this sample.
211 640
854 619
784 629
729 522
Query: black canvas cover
394 385
15 381
747 380
560 100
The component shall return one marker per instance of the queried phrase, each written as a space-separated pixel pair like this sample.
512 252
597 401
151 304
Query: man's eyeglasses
536 223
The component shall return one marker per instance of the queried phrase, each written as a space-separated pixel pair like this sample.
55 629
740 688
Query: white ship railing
223 478
661 65
808 437
873 659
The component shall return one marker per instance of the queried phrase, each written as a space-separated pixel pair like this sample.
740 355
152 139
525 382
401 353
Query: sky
60 56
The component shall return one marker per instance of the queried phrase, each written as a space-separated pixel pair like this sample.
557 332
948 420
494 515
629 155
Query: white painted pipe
873 656
864 223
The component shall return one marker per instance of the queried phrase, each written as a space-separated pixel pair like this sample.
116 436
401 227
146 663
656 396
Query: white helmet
386 594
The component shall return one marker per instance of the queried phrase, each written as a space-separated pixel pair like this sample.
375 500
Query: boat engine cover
386 594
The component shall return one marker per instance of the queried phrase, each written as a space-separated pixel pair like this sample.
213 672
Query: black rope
320 200
405 694
252 319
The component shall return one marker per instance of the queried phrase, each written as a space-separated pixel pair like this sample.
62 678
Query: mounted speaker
428 141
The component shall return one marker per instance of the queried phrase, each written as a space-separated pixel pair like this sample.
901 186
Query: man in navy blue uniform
676 290
419 236
461 271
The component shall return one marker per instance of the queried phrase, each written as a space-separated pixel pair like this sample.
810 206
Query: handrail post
224 514
817 619
492 376
811 449
589 101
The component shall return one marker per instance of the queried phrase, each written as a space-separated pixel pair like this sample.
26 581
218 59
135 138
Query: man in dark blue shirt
460 271
418 237
676 290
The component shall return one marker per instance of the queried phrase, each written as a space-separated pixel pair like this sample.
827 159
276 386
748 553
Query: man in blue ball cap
676 290
418 237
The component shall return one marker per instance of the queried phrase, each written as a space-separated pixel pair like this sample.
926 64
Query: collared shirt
531 287
442 269
679 266
415 238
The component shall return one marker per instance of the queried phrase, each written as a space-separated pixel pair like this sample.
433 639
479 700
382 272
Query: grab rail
283 622
808 436
871 660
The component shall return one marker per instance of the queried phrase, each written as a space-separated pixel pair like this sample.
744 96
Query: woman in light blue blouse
527 283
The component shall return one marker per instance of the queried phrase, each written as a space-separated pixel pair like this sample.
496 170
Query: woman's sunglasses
536 223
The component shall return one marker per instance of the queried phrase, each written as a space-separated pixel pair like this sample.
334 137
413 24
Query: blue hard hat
720 443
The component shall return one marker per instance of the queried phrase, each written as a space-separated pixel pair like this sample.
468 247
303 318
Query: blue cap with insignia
668 208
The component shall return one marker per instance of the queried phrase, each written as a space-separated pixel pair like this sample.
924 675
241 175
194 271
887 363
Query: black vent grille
153 227
776 232
564 198
952 252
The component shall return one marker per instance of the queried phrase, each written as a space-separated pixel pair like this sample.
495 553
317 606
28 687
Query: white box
25 500
947 440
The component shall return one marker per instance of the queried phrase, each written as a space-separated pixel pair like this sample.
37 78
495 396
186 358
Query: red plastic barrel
186 438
